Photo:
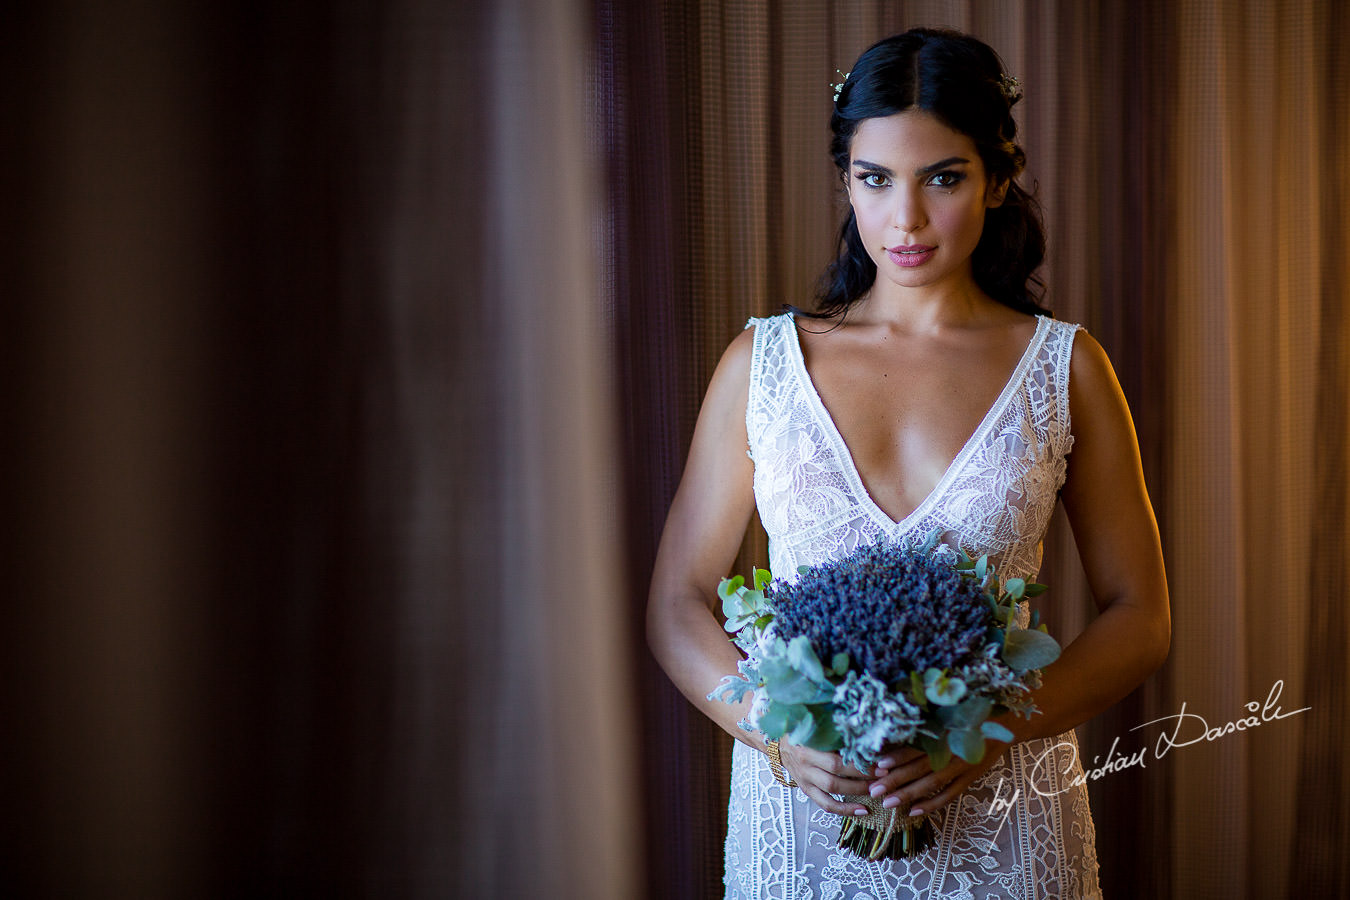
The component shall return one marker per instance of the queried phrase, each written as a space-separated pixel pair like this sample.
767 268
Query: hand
821 774
906 780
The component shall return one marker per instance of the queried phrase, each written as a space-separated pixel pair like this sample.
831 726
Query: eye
873 179
946 179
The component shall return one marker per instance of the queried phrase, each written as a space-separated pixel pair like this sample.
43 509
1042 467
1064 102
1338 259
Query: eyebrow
918 173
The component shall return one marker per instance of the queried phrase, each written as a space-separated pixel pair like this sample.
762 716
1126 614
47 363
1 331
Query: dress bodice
996 497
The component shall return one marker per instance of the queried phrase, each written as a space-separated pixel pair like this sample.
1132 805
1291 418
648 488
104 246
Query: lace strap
766 351
1062 357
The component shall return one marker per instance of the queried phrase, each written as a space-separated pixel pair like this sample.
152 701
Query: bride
928 392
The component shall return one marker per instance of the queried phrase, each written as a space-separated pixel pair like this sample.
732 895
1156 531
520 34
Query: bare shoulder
731 379
1105 443
1092 379
738 352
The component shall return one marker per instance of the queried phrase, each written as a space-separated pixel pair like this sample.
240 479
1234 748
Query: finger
823 771
916 792
945 795
857 787
827 762
829 803
894 757
894 779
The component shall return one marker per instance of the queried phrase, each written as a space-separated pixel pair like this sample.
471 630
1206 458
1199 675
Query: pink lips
910 255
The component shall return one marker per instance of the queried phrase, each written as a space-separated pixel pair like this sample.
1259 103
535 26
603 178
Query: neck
928 308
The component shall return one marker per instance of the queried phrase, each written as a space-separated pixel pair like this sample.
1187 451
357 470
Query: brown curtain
1191 161
317 590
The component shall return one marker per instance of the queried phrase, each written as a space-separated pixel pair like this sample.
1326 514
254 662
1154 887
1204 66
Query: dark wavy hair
959 80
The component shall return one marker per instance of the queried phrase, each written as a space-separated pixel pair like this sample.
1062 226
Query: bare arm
703 531
1117 537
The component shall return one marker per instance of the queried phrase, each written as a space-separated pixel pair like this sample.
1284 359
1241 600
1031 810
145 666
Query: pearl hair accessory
839 88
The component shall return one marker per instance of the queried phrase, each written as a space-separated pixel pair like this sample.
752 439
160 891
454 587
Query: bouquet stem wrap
883 833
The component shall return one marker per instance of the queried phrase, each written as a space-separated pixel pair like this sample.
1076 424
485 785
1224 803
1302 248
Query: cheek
867 215
968 220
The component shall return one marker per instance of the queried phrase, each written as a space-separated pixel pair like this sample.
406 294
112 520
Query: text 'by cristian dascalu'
1055 766
1179 730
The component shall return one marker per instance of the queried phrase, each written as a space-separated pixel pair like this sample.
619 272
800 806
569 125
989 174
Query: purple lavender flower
890 610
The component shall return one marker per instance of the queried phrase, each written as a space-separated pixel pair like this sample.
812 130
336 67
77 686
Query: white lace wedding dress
996 497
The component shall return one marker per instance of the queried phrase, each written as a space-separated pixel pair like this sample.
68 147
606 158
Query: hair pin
1011 86
839 88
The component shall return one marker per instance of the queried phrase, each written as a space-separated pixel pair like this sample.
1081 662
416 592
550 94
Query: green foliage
997 732
967 743
1025 649
938 750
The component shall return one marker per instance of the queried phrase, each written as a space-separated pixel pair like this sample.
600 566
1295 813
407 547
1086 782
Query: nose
908 215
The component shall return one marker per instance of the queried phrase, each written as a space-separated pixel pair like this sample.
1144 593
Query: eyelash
955 178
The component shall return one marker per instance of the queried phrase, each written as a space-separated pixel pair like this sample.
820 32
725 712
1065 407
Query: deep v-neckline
841 448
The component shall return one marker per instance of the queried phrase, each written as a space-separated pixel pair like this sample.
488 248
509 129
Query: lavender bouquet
885 646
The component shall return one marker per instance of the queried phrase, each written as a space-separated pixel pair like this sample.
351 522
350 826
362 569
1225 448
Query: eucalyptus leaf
778 718
970 712
803 730
1035 590
1015 587
762 579
736 624
939 755
997 732
803 658
785 683
826 737
967 743
1025 649
839 665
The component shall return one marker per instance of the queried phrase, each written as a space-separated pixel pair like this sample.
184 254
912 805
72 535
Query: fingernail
891 802
886 763
877 790
860 811
916 811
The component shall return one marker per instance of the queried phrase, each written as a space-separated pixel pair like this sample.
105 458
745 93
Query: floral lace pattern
1024 829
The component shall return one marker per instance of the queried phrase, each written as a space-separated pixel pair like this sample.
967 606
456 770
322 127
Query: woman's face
919 192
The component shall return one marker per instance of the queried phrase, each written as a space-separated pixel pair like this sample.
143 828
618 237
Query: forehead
910 137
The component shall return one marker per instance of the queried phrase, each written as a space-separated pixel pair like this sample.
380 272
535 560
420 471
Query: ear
995 192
